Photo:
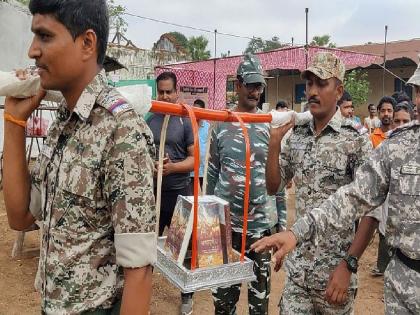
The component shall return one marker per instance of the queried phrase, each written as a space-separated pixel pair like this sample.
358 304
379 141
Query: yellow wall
375 79
285 91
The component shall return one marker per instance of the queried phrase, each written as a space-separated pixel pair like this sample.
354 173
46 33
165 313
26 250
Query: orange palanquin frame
214 115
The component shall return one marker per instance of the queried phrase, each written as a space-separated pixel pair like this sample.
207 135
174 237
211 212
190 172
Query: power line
188 27
168 23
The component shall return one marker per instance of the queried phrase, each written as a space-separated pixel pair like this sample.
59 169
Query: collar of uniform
335 122
63 112
88 97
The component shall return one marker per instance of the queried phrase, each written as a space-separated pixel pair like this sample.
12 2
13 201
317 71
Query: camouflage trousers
297 300
226 298
402 289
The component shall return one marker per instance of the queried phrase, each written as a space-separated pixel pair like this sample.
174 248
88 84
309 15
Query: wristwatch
352 263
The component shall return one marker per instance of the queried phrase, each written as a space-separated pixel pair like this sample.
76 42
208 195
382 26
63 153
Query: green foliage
272 44
181 39
197 48
323 41
257 44
357 84
24 2
117 23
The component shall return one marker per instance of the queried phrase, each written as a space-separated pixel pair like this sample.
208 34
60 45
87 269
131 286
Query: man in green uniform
226 179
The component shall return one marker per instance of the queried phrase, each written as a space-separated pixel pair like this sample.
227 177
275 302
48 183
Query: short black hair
167 75
404 106
345 98
387 99
401 96
371 105
78 16
281 104
200 103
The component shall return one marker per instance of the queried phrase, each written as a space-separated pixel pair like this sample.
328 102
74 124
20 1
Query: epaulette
113 101
411 125
351 124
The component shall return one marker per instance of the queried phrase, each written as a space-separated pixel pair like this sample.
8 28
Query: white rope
160 169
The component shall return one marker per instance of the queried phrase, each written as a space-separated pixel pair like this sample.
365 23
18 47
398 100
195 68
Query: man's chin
46 85
252 103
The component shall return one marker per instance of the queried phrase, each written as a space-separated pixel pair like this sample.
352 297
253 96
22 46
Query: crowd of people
92 188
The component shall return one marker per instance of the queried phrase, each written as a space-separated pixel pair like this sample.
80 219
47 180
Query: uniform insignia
410 169
113 101
297 145
47 151
119 106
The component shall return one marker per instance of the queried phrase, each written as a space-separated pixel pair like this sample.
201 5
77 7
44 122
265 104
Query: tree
24 2
323 41
197 48
272 44
117 23
181 39
257 44
358 86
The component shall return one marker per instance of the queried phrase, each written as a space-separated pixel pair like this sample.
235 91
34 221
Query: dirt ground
18 296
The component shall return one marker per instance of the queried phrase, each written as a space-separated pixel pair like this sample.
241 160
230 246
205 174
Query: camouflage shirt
392 170
226 174
92 189
320 165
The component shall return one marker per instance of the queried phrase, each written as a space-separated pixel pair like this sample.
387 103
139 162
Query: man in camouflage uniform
392 170
92 186
321 156
226 179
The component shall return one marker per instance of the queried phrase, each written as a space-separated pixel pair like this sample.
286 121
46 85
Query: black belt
409 262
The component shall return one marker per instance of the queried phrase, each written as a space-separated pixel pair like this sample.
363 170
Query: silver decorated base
202 278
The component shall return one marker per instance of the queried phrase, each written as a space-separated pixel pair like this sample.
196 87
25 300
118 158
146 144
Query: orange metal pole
208 114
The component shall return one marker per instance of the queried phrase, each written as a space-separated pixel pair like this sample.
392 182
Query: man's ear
237 86
340 91
89 44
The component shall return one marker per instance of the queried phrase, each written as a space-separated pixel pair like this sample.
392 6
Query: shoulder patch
119 106
410 126
113 101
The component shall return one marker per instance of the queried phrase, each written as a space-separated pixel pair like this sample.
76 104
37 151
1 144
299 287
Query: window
400 86
230 86
299 93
